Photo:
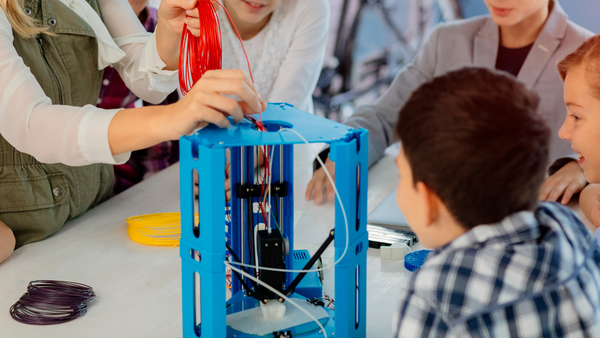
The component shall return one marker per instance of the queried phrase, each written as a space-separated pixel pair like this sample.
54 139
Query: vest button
52 22
57 192
28 11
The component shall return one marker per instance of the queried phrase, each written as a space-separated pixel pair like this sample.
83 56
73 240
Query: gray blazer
474 42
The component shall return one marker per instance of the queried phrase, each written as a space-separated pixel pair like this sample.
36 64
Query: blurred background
371 40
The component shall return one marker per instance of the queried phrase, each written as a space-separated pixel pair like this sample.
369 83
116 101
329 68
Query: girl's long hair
21 23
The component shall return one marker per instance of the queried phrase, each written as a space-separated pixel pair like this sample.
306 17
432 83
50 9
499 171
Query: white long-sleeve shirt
286 56
77 135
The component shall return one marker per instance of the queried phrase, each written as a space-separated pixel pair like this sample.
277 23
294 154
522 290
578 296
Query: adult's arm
83 135
381 117
301 66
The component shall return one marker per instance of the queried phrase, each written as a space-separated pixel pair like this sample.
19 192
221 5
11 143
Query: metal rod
281 181
252 293
242 213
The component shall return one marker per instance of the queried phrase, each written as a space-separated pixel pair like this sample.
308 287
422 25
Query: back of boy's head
474 137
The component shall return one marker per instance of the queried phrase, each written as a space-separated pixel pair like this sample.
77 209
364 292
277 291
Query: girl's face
582 125
252 11
512 12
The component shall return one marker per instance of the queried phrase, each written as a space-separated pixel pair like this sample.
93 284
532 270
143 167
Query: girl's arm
7 242
139 128
83 135
301 66
589 201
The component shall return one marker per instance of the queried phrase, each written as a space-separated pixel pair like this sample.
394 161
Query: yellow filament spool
156 229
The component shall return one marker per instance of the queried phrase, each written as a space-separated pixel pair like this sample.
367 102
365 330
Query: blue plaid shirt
535 274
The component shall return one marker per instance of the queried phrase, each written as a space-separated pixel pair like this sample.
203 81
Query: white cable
341 206
256 249
240 271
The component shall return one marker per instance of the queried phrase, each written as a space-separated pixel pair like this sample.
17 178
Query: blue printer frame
202 247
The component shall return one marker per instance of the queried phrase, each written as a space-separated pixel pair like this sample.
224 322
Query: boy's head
474 151
581 73
513 12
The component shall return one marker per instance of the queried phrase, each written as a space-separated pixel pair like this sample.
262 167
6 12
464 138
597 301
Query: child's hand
206 103
174 13
566 182
320 182
193 21
7 242
589 201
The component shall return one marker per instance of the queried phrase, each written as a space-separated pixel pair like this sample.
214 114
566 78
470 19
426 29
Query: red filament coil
199 54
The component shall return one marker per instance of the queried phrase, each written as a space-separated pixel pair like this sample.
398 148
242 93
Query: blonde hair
21 23
587 55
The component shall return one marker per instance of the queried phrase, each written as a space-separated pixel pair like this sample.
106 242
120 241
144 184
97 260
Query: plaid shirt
115 94
527 276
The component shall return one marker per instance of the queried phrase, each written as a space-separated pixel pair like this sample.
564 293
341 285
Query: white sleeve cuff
160 80
93 136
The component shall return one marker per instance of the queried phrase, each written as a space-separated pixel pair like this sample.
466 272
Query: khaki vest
36 199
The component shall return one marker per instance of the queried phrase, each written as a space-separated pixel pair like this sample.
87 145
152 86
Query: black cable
239 277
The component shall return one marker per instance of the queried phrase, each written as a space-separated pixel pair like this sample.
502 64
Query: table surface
138 287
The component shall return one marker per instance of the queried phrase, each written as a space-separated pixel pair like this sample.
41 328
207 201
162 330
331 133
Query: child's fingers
319 182
247 110
330 191
237 74
188 4
192 13
558 191
309 190
225 105
571 190
214 117
546 188
192 23
194 31
229 86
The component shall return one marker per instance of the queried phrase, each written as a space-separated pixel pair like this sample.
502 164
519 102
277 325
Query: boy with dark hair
474 152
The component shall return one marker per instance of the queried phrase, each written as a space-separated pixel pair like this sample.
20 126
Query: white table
139 287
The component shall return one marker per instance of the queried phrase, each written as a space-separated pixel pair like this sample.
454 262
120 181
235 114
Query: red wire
239 38
197 55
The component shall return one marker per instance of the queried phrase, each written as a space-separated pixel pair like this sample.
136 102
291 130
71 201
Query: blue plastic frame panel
314 128
203 248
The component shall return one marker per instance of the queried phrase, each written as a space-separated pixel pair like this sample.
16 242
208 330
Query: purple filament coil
48 302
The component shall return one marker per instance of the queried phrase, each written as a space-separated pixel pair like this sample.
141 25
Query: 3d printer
262 230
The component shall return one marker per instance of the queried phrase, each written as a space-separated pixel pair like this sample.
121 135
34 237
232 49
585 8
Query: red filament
199 54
